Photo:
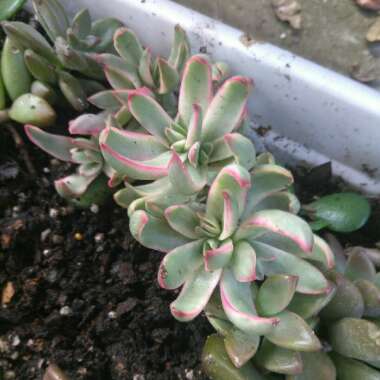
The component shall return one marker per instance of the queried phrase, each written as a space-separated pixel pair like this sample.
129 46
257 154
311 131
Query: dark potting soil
85 293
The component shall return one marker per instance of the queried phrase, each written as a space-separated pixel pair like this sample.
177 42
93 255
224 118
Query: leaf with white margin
276 261
293 333
227 108
179 264
238 305
154 233
195 294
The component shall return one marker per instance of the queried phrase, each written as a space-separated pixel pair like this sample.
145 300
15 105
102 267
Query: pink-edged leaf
120 79
128 45
149 114
196 87
195 127
87 124
179 264
154 233
283 200
134 145
141 170
73 186
237 300
145 67
193 154
268 179
233 179
105 100
183 219
57 146
242 149
195 294
90 169
227 109
231 214
244 262
180 48
168 77
217 257
276 261
185 178
288 226
322 252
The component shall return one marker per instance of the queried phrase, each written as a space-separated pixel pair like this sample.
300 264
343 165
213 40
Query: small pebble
54 162
44 234
65 311
99 237
78 236
94 208
189 374
46 252
112 315
57 239
30 343
9 375
15 355
16 341
46 170
53 213
138 377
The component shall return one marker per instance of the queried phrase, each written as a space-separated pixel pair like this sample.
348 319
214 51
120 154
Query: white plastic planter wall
315 115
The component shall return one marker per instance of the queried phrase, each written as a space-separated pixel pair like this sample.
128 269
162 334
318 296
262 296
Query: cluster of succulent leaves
169 142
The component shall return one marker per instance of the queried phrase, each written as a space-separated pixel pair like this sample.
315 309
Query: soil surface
85 293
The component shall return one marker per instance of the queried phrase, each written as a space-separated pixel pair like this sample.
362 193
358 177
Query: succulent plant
82 151
348 319
184 154
71 50
341 212
133 68
246 231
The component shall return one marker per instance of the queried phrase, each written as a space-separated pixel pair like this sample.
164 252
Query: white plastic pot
314 114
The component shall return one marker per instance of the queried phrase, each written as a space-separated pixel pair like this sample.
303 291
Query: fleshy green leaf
279 360
283 200
227 109
231 214
276 261
371 296
219 256
27 37
180 49
105 29
347 301
356 339
12 67
316 366
244 262
349 369
52 17
57 146
9 7
359 266
343 212
128 45
81 24
240 346
31 109
196 87
275 294
149 114
267 179
293 333
183 220
238 305
179 264
217 365
168 77
195 294
233 179
309 305
87 124
195 127
322 253
39 67
73 186
72 90
154 232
